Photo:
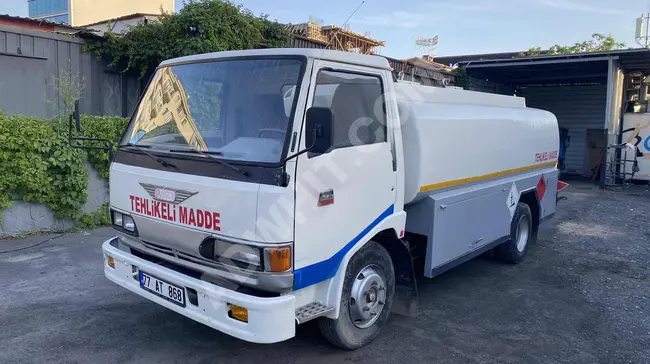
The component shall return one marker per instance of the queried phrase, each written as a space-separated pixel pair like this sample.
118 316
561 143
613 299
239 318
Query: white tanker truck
251 215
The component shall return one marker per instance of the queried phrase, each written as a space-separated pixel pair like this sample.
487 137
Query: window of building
357 104
46 7
58 19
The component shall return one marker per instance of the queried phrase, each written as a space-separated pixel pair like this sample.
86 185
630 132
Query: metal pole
606 161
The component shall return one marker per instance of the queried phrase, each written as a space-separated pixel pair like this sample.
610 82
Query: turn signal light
111 261
277 259
239 313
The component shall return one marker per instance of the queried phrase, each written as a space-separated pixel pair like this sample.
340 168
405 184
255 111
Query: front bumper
270 320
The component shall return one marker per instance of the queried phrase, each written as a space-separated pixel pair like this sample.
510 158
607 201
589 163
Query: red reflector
401 234
541 188
325 202
561 185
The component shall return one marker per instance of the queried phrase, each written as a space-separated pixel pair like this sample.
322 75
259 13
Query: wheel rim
523 231
367 298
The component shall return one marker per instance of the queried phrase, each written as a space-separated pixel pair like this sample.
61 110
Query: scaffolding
337 38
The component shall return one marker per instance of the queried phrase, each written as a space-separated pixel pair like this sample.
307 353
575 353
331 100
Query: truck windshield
231 109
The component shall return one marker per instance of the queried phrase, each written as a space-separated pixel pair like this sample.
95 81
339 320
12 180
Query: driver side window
356 101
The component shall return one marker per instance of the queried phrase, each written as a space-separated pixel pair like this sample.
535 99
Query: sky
463 26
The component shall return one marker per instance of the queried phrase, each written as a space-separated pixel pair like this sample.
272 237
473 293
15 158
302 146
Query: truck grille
160 249
180 255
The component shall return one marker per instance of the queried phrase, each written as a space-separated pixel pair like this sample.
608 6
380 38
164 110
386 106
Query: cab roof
329 55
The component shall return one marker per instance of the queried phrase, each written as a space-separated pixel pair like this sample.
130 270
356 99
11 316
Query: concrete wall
24 217
85 12
32 62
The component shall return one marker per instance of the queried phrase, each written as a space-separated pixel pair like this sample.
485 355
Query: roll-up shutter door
577 108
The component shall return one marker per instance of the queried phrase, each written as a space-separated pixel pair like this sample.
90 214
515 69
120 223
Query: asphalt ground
581 296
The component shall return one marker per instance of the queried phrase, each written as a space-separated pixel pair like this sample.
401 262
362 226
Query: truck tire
366 299
522 234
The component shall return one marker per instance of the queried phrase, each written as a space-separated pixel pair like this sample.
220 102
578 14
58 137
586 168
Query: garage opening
584 91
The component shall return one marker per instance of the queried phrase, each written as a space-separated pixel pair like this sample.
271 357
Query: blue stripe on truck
315 273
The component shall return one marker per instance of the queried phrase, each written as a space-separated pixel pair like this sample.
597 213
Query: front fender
395 222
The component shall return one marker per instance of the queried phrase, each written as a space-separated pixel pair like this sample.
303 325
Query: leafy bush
95 219
38 164
199 27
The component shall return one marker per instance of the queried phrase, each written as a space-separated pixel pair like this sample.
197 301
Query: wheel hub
523 231
367 297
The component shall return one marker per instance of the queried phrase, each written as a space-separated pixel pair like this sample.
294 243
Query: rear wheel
522 234
366 299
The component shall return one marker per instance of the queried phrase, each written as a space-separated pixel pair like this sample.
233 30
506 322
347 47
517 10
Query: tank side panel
464 221
448 145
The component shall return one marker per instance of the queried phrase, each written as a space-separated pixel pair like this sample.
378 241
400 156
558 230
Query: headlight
123 222
240 255
128 223
268 259
117 218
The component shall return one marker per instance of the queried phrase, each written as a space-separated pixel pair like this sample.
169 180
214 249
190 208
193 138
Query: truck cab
208 200
253 190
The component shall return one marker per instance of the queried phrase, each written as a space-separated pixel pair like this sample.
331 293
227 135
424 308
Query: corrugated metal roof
38 22
554 69
125 17
513 57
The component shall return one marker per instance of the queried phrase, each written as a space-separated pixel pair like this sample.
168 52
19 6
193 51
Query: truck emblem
326 198
167 194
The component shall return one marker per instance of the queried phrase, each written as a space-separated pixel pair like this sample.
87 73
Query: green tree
597 43
201 26
462 79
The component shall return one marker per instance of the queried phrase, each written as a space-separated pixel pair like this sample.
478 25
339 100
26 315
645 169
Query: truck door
342 194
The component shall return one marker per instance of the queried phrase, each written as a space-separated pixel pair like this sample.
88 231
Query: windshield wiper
211 154
141 149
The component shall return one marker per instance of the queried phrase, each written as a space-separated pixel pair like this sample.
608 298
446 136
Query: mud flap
405 300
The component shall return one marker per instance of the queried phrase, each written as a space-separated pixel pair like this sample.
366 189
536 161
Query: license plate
163 289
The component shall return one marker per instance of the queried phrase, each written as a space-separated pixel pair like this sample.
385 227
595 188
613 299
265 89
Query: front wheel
366 299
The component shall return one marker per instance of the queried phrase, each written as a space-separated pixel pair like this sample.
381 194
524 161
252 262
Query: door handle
474 244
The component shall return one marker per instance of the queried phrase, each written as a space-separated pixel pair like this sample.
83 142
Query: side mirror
318 134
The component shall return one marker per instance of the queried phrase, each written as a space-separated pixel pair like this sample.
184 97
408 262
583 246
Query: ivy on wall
201 26
96 219
38 165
